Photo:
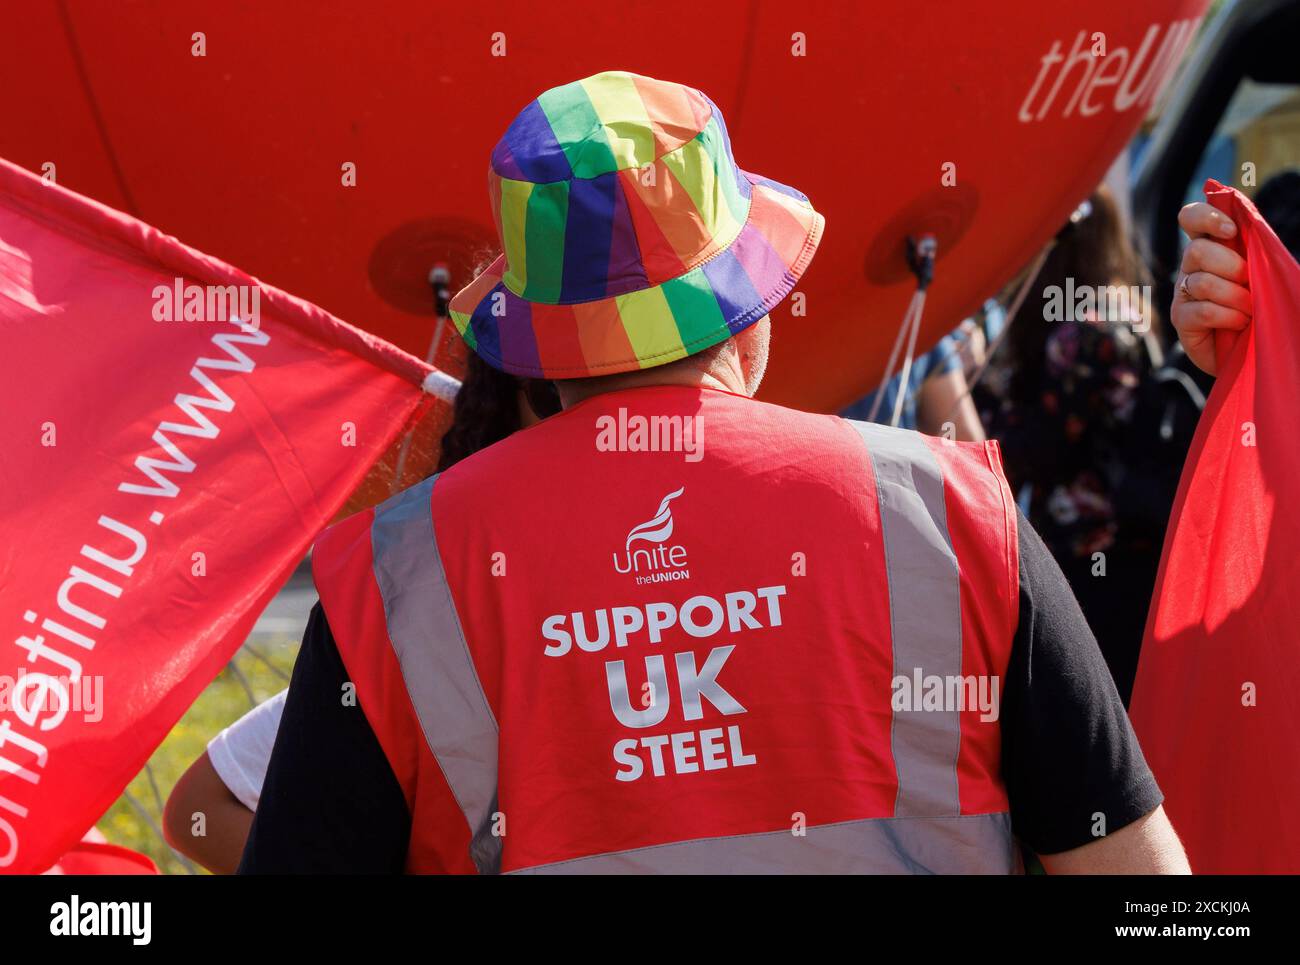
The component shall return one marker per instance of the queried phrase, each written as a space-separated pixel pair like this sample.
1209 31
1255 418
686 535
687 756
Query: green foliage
224 701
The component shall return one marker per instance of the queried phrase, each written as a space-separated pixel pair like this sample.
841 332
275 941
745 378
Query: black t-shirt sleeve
330 803
1070 759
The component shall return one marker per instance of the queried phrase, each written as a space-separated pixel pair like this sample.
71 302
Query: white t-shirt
241 752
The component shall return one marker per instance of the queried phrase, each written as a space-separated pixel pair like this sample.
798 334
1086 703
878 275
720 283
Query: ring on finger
1182 287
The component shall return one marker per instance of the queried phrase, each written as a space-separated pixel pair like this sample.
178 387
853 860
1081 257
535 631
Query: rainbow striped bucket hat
630 238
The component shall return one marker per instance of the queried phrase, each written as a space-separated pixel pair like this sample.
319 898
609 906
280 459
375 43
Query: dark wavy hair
1097 251
487 409
487 405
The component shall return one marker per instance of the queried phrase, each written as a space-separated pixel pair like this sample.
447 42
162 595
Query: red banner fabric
1217 698
175 433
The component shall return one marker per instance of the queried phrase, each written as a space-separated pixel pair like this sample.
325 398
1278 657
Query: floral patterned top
1064 453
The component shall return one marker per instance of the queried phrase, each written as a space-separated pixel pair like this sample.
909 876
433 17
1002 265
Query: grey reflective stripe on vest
437 668
928 833
924 613
970 844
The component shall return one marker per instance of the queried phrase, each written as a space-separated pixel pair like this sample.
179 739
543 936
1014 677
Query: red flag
93 855
1216 702
175 434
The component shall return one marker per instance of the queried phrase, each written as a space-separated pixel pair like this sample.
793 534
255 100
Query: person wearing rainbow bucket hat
672 628
630 237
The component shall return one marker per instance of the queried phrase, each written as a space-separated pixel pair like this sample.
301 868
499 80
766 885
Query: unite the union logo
659 562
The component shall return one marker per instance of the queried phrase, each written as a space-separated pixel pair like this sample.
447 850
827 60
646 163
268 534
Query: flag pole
436 383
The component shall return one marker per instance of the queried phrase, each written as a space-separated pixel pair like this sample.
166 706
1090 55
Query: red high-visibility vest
674 629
